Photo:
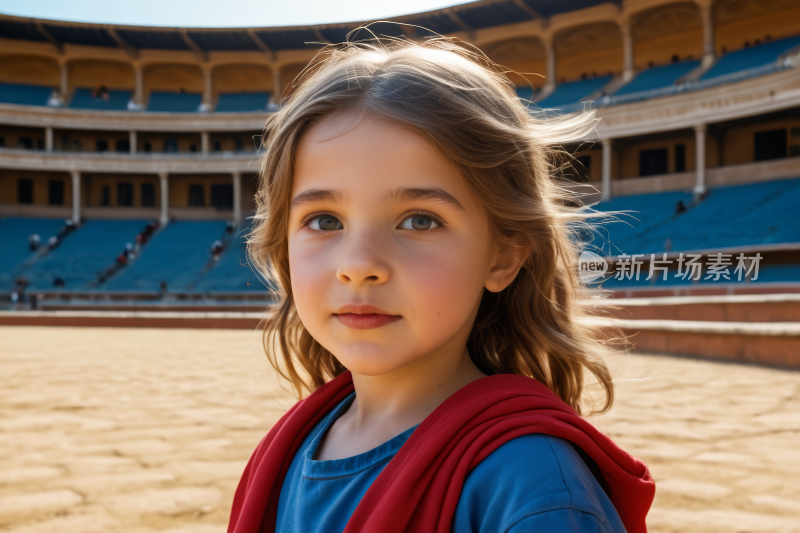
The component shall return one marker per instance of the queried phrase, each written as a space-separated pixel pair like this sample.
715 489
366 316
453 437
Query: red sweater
419 489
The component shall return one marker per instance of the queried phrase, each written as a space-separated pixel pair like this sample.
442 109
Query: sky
218 13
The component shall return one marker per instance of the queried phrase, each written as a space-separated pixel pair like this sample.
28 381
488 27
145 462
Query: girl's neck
387 405
409 394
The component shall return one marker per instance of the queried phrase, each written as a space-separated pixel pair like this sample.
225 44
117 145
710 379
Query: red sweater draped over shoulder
419 488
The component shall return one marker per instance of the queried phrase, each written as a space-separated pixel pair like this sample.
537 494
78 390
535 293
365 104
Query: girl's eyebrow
434 193
316 195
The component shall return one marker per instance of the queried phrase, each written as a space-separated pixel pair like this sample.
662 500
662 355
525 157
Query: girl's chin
370 360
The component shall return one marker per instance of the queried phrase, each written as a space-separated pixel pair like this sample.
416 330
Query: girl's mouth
366 320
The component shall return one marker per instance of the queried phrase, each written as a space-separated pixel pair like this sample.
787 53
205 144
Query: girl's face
389 250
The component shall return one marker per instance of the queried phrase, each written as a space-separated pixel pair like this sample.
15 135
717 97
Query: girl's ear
508 260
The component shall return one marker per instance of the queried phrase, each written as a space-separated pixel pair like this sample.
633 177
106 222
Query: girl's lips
367 320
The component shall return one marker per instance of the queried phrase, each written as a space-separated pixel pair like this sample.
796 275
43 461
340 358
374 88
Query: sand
140 430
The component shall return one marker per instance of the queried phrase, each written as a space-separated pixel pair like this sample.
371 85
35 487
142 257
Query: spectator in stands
680 208
216 248
52 242
34 241
18 297
163 288
102 93
58 282
230 226
66 229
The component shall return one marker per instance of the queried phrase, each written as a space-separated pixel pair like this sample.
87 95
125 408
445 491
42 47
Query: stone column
605 188
48 139
552 71
237 197
64 81
164 179
627 47
277 84
709 50
204 142
132 140
208 88
138 95
700 160
76 196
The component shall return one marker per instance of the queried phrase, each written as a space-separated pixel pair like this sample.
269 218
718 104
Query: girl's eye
419 223
325 223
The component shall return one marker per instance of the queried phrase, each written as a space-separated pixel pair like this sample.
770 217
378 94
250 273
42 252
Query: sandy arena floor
140 430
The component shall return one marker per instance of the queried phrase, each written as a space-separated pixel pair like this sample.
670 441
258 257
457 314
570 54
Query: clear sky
219 13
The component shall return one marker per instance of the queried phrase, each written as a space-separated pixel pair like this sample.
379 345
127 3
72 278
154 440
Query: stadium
128 169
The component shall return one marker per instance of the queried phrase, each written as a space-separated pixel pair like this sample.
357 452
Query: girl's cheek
308 268
441 284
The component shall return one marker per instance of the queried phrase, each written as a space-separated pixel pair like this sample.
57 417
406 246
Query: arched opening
667 34
525 57
288 75
98 84
91 74
242 78
242 87
173 87
589 51
744 23
29 70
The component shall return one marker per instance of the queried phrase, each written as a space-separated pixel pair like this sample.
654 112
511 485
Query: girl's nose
363 264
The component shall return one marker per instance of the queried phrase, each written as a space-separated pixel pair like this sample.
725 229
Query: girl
430 302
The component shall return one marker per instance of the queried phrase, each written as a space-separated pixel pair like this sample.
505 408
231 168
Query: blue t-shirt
531 483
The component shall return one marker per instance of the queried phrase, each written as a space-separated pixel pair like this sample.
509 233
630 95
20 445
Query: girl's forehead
360 154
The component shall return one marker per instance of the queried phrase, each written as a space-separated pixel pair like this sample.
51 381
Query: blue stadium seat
242 102
730 216
14 248
174 102
645 213
84 254
178 255
749 58
657 77
726 218
117 101
778 273
11 93
573 92
525 93
232 273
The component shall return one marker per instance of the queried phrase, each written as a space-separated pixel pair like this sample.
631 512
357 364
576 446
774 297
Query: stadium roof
465 17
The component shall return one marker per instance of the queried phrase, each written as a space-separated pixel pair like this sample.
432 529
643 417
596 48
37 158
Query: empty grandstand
146 139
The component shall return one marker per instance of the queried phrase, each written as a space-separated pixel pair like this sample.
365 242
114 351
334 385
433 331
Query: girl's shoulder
537 483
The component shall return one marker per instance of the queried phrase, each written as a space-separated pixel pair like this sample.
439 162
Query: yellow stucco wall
242 77
739 142
93 188
9 185
92 74
29 70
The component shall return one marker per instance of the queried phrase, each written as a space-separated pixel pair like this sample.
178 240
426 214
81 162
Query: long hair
542 325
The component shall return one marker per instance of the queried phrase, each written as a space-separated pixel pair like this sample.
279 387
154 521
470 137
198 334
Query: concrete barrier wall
761 349
222 320
735 308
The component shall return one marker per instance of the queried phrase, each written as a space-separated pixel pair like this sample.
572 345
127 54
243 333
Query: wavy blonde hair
541 326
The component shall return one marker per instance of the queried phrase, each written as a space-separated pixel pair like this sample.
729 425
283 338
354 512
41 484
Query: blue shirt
531 483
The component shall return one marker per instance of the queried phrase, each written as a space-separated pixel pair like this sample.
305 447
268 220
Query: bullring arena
134 384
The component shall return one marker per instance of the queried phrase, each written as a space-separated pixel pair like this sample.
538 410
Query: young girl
430 302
